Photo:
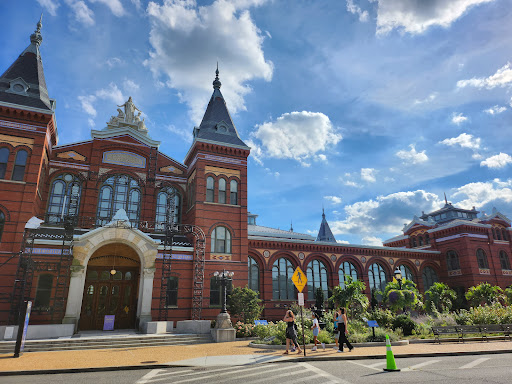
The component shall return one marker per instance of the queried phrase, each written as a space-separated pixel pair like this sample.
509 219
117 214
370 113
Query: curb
286 360
358 345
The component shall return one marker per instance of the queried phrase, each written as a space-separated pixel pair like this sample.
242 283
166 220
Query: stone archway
86 245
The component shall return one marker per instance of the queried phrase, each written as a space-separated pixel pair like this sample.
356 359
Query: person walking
316 330
291 332
343 331
337 317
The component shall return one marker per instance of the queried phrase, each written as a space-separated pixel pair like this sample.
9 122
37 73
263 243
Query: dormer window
18 86
222 127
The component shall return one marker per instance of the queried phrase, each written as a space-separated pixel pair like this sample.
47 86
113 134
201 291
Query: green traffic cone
390 359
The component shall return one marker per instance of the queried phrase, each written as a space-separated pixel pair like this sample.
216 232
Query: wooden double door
109 294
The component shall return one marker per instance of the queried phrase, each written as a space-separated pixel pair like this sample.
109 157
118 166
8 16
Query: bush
243 330
439 298
405 323
244 305
383 317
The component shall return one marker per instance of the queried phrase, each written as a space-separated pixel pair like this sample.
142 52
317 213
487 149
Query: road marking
366 366
332 379
148 376
286 374
421 365
376 364
239 376
475 363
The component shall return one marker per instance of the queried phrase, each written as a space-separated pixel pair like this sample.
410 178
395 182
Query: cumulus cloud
464 140
485 195
458 119
83 14
296 135
50 5
497 161
256 151
371 240
495 110
430 98
114 5
386 213
184 134
187 40
113 62
356 10
412 156
112 93
350 183
368 175
502 78
333 199
130 86
416 16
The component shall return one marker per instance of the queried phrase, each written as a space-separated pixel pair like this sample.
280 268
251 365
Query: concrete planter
34 332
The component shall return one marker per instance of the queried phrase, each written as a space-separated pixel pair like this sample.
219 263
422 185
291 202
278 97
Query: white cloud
188 40
412 156
497 161
91 122
113 62
464 140
343 242
386 213
115 6
130 86
502 78
256 151
83 14
356 10
112 93
137 4
486 195
50 5
495 110
430 98
416 16
185 134
368 175
297 135
458 119
371 240
350 183
333 199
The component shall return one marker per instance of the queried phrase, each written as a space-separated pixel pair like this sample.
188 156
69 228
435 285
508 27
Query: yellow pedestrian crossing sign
299 279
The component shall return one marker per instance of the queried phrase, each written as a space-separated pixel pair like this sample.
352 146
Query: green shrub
405 323
384 317
244 305
462 317
243 330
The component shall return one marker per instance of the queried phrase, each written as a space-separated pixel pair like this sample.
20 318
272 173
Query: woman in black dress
343 331
291 332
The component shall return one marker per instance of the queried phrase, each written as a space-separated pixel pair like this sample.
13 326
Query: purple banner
108 323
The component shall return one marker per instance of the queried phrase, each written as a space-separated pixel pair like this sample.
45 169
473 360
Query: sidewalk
212 354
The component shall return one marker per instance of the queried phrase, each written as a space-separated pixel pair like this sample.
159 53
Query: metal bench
468 329
487 329
507 330
447 330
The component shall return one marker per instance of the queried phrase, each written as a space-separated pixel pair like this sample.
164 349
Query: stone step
107 343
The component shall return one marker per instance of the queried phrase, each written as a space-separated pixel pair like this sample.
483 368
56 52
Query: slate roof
27 69
267 232
325 233
217 125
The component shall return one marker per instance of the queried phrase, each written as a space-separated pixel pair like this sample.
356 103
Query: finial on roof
216 82
291 226
445 200
36 38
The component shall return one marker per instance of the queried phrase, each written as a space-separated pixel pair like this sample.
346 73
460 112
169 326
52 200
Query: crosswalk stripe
285 374
239 376
475 363
332 379
148 376
366 366
377 364
421 365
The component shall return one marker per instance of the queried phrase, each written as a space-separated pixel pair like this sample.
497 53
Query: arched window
346 269
504 261
420 240
64 199
505 235
427 239
216 292
429 277
43 292
210 189
498 233
222 191
282 284
481 257
119 192
317 278
377 277
452 260
254 274
2 223
233 192
171 299
167 199
414 242
221 240
406 272
18 172
494 233
4 158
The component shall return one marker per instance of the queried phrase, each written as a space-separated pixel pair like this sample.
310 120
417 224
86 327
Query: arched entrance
111 287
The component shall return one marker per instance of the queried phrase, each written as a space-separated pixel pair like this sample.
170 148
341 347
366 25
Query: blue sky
371 109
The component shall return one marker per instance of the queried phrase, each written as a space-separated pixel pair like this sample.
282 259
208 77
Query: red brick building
113 226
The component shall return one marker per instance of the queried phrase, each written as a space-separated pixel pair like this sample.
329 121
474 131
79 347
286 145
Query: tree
484 293
244 305
351 296
441 297
319 298
406 296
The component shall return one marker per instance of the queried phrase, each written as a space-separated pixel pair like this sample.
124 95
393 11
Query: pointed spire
291 226
36 38
445 200
216 83
325 233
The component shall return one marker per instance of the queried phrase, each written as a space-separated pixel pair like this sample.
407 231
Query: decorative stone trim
484 271
455 272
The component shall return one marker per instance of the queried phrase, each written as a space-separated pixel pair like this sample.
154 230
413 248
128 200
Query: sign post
300 280
22 330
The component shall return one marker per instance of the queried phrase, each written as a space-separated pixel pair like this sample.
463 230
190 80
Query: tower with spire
325 233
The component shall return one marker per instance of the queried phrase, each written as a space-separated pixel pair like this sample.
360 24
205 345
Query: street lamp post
224 277
398 277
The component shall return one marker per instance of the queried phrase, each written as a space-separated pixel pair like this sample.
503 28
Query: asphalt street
448 369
